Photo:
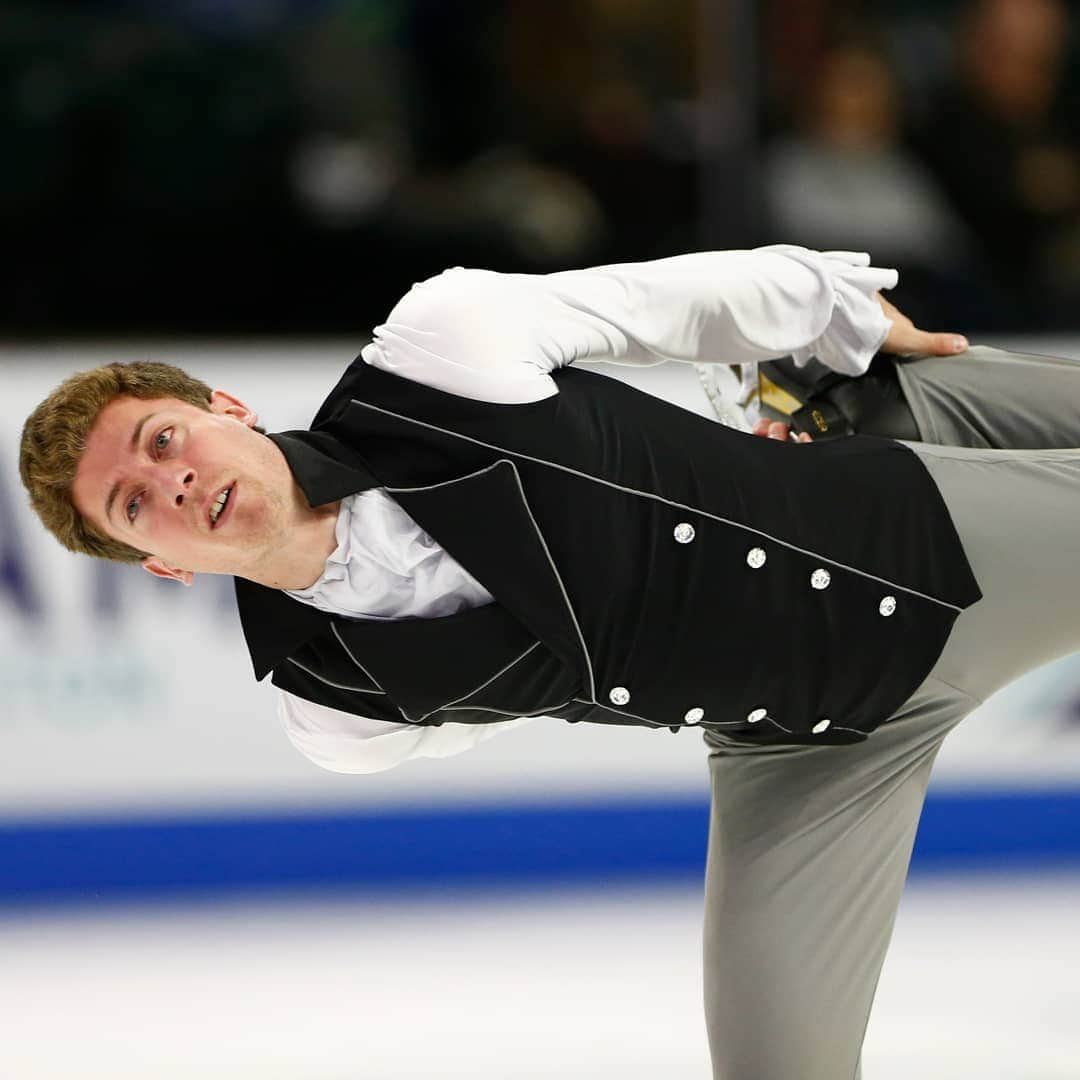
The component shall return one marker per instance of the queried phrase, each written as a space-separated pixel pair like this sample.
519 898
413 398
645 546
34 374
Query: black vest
649 566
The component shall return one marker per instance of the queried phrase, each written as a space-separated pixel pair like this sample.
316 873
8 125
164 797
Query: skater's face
152 475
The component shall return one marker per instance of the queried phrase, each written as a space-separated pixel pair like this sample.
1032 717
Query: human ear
224 404
159 568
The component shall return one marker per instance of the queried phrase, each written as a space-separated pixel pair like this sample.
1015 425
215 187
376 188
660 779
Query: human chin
244 543
205 559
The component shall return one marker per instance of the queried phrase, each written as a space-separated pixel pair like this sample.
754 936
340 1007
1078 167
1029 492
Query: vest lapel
274 624
484 521
426 664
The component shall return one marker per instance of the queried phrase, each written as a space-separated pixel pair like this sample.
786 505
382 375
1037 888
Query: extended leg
809 846
994 398
808 853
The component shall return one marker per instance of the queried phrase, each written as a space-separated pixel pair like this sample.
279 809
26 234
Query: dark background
292 166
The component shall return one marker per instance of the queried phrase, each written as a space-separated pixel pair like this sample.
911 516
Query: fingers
772 429
914 340
905 337
944 344
909 340
777 429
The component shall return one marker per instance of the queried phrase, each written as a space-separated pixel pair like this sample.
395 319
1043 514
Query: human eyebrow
133 445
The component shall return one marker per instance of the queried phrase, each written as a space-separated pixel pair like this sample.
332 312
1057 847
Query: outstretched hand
905 337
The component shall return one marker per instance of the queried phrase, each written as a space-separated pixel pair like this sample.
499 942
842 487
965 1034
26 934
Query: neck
299 561
295 556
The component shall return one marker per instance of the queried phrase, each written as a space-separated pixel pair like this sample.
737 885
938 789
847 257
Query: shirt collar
274 624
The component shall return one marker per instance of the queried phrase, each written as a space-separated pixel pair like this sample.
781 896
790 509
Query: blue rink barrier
482 846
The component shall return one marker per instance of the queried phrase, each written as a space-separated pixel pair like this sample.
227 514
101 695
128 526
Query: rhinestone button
756 715
684 532
820 726
887 605
694 715
755 558
619 695
820 578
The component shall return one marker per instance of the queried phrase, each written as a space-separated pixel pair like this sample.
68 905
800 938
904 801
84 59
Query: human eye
162 439
131 510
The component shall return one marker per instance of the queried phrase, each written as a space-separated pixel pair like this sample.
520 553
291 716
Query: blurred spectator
224 165
539 130
202 165
1003 138
481 189
144 163
843 179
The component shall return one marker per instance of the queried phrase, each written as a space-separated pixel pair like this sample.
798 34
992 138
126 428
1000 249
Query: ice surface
980 983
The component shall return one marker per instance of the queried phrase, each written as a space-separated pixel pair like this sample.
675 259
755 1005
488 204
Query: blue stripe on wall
476 846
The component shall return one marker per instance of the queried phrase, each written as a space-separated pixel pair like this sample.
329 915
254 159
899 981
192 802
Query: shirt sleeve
341 742
497 337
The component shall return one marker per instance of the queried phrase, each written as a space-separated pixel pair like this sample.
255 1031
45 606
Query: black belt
828 405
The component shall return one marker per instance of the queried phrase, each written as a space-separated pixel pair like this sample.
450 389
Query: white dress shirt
497 337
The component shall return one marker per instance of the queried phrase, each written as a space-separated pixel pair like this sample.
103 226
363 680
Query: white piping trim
503 712
348 652
456 480
621 712
701 725
705 725
831 727
329 682
486 682
539 536
657 498
466 708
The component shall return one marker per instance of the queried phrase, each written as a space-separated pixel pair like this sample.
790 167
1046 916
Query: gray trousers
809 847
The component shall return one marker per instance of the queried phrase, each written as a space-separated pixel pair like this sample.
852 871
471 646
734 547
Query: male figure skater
474 531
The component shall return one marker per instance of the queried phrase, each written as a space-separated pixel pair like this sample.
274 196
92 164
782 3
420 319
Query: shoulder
457 296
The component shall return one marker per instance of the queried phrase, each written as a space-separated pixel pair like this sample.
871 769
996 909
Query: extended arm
497 337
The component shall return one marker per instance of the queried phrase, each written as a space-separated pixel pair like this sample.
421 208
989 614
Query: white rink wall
127 700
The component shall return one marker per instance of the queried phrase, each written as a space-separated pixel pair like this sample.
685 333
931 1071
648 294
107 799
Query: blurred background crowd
293 165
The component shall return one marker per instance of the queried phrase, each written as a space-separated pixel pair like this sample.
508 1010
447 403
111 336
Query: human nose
179 484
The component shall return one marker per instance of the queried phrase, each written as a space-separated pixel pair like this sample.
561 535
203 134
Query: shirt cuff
858 327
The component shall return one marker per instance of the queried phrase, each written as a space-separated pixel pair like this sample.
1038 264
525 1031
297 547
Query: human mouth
219 507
